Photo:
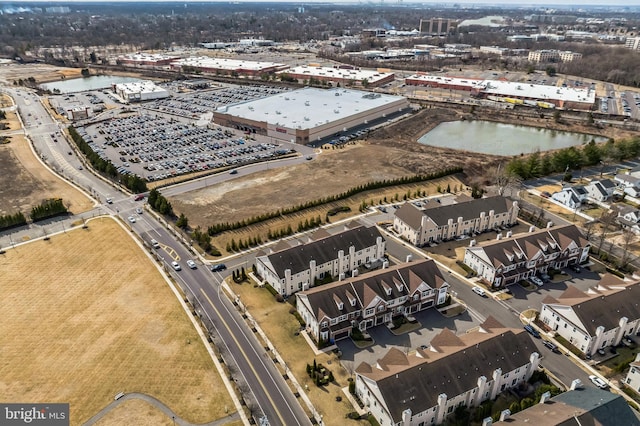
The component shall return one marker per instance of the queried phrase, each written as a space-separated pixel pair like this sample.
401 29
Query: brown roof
410 214
446 338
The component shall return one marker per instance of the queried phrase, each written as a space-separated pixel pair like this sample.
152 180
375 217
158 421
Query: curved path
159 405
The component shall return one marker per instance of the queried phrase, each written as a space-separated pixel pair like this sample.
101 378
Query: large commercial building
342 76
142 59
438 26
225 66
512 92
310 114
543 56
139 91
632 43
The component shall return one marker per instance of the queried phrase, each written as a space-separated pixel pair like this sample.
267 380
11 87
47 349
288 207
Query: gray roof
606 307
324 250
608 183
324 299
468 210
580 407
416 384
310 107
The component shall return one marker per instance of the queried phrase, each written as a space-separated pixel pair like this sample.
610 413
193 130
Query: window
324 324
380 308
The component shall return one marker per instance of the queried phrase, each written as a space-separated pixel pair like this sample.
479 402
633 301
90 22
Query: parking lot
154 148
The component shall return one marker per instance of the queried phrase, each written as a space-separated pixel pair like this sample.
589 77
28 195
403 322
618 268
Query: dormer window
388 291
340 306
399 287
353 302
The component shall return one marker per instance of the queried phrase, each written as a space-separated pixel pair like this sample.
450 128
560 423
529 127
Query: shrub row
12 220
47 209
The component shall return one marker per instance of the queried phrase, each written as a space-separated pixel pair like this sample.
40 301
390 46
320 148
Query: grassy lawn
281 326
86 315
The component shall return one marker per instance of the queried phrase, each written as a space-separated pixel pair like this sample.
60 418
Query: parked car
191 264
155 244
109 200
598 382
175 265
537 281
551 346
529 328
479 291
219 267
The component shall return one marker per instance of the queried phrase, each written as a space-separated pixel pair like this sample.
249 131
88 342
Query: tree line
12 221
573 158
133 182
49 208
223 227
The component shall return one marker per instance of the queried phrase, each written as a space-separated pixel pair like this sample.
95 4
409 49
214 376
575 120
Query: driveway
432 323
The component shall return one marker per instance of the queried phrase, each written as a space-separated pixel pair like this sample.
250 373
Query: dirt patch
111 324
25 182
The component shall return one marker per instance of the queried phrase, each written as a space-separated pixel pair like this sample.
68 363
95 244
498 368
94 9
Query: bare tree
627 238
606 220
505 180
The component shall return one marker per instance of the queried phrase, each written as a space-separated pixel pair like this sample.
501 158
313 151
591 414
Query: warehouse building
225 66
344 77
142 59
309 115
139 91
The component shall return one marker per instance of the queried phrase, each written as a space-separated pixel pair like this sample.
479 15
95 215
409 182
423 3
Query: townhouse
441 223
629 218
630 184
597 318
332 311
425 388
633 376
508 260
297 268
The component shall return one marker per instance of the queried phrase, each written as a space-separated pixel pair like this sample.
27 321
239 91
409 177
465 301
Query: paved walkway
159 405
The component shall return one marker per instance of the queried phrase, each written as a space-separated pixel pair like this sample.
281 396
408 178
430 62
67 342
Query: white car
175 265
191 264
139 210
537 281
598 382
132 219
479 291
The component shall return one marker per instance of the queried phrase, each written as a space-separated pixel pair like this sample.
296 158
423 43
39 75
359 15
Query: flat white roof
141 56
225 64
309 107
539 91
371 75
512 88
144 86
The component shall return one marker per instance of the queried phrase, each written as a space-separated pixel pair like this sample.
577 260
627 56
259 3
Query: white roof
309 107
144 86
225 64
539 91
147 57
358 75
472 83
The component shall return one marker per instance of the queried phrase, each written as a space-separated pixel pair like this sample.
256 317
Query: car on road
155 244
191 264
219 267
309 157
537 281
233 172
109 200
139 197
131 219
479 291
175 265
598 382
529 328
551 346
139 210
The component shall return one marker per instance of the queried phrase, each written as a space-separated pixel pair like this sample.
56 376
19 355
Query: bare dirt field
86 315
41 72
24 182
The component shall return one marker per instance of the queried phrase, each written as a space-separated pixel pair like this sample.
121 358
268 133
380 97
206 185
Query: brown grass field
86 315
280 327
25 182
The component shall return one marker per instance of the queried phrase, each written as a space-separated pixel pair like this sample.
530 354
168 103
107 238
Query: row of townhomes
297 268
422 226
506 261
573 196
332 311
425 388
600 317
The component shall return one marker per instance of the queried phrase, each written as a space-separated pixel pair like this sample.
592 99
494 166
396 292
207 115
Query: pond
95 82
501 139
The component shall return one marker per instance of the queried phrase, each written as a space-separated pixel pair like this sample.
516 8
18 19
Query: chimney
532 228
472 243
409 258
341 277
545 397
576 384
488 421
509 234
499 236
385 264
549 224
504 415
354 273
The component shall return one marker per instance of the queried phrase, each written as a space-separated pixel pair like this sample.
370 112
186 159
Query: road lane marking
255 373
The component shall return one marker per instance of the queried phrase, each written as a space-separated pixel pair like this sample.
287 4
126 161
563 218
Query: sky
548 3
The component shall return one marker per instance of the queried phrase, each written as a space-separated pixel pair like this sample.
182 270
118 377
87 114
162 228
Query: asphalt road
265 390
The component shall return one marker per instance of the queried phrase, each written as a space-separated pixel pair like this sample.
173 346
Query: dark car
219 267
532 331
551 346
